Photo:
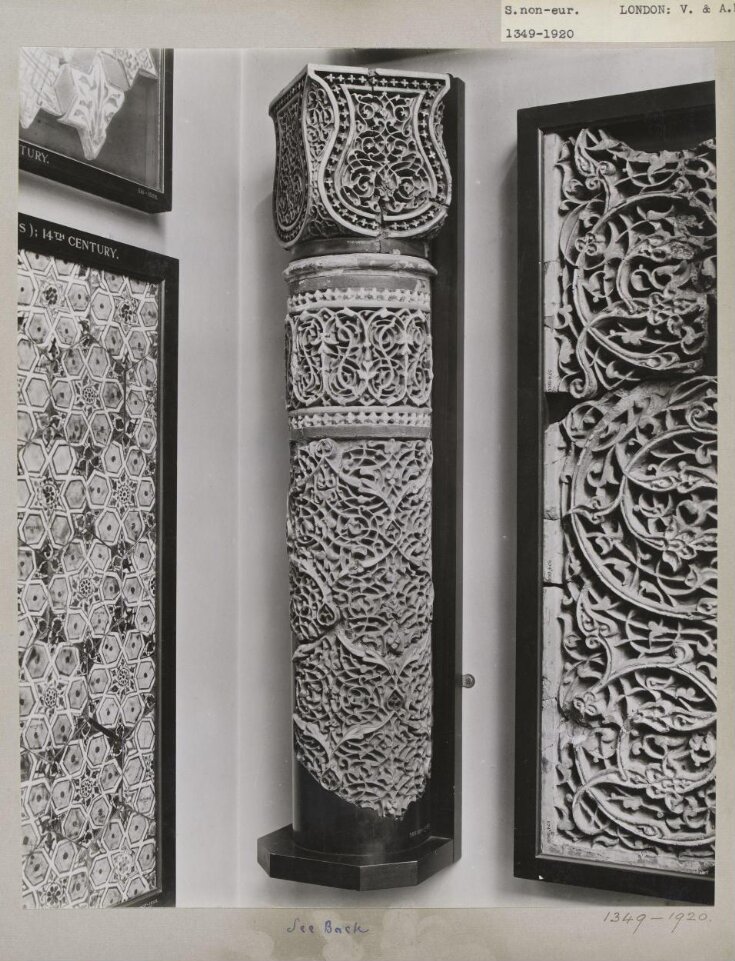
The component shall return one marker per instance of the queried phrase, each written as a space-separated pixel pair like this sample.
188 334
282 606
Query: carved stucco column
362 183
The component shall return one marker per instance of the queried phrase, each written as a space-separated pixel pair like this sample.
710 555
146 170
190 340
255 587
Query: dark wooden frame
52 239
656 114
84 175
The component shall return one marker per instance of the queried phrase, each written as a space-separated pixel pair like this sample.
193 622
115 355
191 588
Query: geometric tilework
87 527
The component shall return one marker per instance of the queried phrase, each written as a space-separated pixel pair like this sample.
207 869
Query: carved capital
360 154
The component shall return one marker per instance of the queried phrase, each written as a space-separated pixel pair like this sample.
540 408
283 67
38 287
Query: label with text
598 21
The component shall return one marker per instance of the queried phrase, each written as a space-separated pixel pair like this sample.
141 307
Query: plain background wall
202 232
497 84
233 645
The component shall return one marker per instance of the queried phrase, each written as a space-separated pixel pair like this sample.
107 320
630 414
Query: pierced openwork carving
360 152
634 276
359 538
360 156
630 514
81 87
88 638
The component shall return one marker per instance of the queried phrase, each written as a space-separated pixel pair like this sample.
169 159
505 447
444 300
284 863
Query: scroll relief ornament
634 273
630 529
360 152
635 744
84 88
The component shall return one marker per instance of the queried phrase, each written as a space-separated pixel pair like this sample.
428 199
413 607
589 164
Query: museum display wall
234 729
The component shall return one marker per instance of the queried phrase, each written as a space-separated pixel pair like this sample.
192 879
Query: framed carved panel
99 119
97 348
617 494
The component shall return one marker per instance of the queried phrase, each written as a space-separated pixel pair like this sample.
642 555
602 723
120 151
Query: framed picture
99 119
97 356
617 492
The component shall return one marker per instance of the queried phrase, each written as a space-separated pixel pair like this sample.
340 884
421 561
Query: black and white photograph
366 545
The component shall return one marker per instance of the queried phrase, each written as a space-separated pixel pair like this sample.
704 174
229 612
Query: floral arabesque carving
635 730
636 263
359 538
360 153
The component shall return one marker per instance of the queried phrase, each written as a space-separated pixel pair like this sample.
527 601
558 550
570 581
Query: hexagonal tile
110 776
77 888
112 395
32 530
36 868
98 489
113 458
145 734
146 493
76 625
145 619
38 798
61 730
64 856
98 749
113 834
73 557
72 823
107 527
102 306
36 660
145 800
62 457
34 597
77 694
37 327
66 660
75 494
27 354
113 340
67 330
26 426
37 392
97 362
137 828
35 733
33 457
78 296
30 837
72 760
133 771
60 530
62 794
100 870
132 589
101 428
145 674
133 525
132 709
99 811
75 428
58 590
107 711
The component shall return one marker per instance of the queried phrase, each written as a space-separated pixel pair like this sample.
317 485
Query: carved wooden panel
627 740
89 574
